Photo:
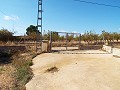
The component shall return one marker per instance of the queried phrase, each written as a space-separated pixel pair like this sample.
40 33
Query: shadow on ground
5 58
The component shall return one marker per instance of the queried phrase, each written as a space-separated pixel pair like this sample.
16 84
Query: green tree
77 37
106 35
90 36
116 36
32 30
46 36
96 37
70 37
55 36
62 38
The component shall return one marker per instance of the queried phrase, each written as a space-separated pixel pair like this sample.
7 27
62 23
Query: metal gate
72 43
64 41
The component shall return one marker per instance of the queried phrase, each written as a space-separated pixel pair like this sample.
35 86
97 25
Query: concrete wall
114 51
12 48
45 46
107 48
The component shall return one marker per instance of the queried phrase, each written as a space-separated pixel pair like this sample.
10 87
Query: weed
24 74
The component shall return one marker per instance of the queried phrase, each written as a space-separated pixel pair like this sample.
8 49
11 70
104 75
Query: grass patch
22 63
23 75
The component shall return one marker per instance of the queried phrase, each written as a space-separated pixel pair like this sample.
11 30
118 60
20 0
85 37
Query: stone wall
12 48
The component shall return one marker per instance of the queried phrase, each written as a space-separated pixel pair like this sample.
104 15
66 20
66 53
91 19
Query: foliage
46 36
90 36
62 38
32 30
23 72
106 35
77 38
5 35
22 63
116 36
55 36
70 37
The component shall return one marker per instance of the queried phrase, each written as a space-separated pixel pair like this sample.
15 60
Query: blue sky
60 15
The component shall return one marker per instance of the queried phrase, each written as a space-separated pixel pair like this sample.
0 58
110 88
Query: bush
5 35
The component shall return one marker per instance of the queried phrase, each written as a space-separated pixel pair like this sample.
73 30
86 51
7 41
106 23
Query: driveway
75 72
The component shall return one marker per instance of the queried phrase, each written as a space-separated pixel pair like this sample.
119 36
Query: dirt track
76 72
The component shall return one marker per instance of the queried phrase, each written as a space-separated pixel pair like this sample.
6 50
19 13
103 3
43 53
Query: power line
2 12
6 15
100 4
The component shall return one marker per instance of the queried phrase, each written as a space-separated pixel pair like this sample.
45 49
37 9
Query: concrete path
76 72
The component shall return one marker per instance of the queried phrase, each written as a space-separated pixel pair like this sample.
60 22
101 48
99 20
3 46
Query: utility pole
39 26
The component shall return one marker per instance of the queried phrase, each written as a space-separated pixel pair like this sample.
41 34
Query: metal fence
64 41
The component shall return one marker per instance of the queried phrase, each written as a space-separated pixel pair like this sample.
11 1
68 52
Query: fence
64 41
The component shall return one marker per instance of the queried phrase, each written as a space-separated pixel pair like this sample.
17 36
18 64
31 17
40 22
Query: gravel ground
75 72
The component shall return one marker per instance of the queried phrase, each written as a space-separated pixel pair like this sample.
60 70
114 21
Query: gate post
66 41
50 41
79 41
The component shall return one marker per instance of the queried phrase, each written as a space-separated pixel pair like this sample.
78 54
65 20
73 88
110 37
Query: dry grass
14 75
7 78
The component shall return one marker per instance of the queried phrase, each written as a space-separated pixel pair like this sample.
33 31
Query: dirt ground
76 72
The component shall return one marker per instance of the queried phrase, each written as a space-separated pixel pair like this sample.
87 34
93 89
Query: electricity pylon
39 27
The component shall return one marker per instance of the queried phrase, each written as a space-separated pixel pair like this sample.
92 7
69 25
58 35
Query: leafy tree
46 36
55 36
32 30
77 37
116 36
62 38
96 37
90 36
106 35
111 36
70 37
87 37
